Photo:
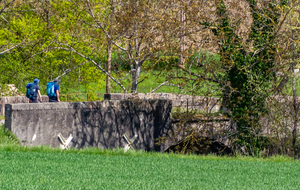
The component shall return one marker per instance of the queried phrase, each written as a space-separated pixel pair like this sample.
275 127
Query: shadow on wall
104 126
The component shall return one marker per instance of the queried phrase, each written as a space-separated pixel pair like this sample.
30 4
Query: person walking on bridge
33 90
53 91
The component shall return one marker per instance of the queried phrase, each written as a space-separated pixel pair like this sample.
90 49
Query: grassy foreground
45 168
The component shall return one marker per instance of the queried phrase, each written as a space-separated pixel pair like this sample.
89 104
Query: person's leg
34 101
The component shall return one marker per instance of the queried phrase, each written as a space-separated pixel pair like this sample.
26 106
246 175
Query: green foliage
161 63
242 71
202 57
248 72
7 138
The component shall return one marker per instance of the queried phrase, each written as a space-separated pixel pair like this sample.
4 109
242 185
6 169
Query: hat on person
36 81
56 80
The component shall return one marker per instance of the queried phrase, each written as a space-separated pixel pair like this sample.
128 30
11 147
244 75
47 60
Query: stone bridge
99 124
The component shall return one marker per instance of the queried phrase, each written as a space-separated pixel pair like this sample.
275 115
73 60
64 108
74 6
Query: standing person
33 90
53 91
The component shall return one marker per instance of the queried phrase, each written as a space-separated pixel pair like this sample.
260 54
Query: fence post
87 97
67 97
187 106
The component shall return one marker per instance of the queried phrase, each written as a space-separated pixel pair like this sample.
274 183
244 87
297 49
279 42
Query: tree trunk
78 76
281 85
135 78
108 87
295 106
182 39
108 67
225 100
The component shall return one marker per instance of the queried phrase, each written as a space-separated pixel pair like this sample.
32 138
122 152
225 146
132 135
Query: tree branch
5 6
91 60
69 70
166 83
5 51
199 76
99 25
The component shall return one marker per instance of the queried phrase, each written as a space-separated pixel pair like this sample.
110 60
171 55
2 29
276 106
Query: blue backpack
30 92
50 90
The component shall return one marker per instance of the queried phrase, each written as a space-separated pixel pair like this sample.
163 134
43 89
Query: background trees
226 49
246 70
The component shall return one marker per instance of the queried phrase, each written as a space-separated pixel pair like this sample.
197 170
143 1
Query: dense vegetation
244 52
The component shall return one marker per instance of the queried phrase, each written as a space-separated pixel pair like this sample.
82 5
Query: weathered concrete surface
17 99
99 124
178 100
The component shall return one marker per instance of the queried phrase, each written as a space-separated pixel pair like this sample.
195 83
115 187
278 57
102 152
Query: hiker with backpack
33 90
53 91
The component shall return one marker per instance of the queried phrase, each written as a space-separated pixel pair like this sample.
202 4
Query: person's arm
40 96
57 95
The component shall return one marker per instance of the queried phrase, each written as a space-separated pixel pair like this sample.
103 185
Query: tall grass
7 137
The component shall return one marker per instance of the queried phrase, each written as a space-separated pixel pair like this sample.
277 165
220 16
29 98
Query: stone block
16 100
99 124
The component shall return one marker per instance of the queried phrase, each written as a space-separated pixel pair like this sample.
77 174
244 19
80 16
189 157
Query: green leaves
250 71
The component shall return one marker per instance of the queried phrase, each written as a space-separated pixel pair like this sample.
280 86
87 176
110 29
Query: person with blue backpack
33 90
53 91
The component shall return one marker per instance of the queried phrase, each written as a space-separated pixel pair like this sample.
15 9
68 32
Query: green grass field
42 167
36 170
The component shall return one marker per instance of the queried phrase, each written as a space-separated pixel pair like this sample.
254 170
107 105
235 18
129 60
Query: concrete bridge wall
99 124
15 100
185 102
